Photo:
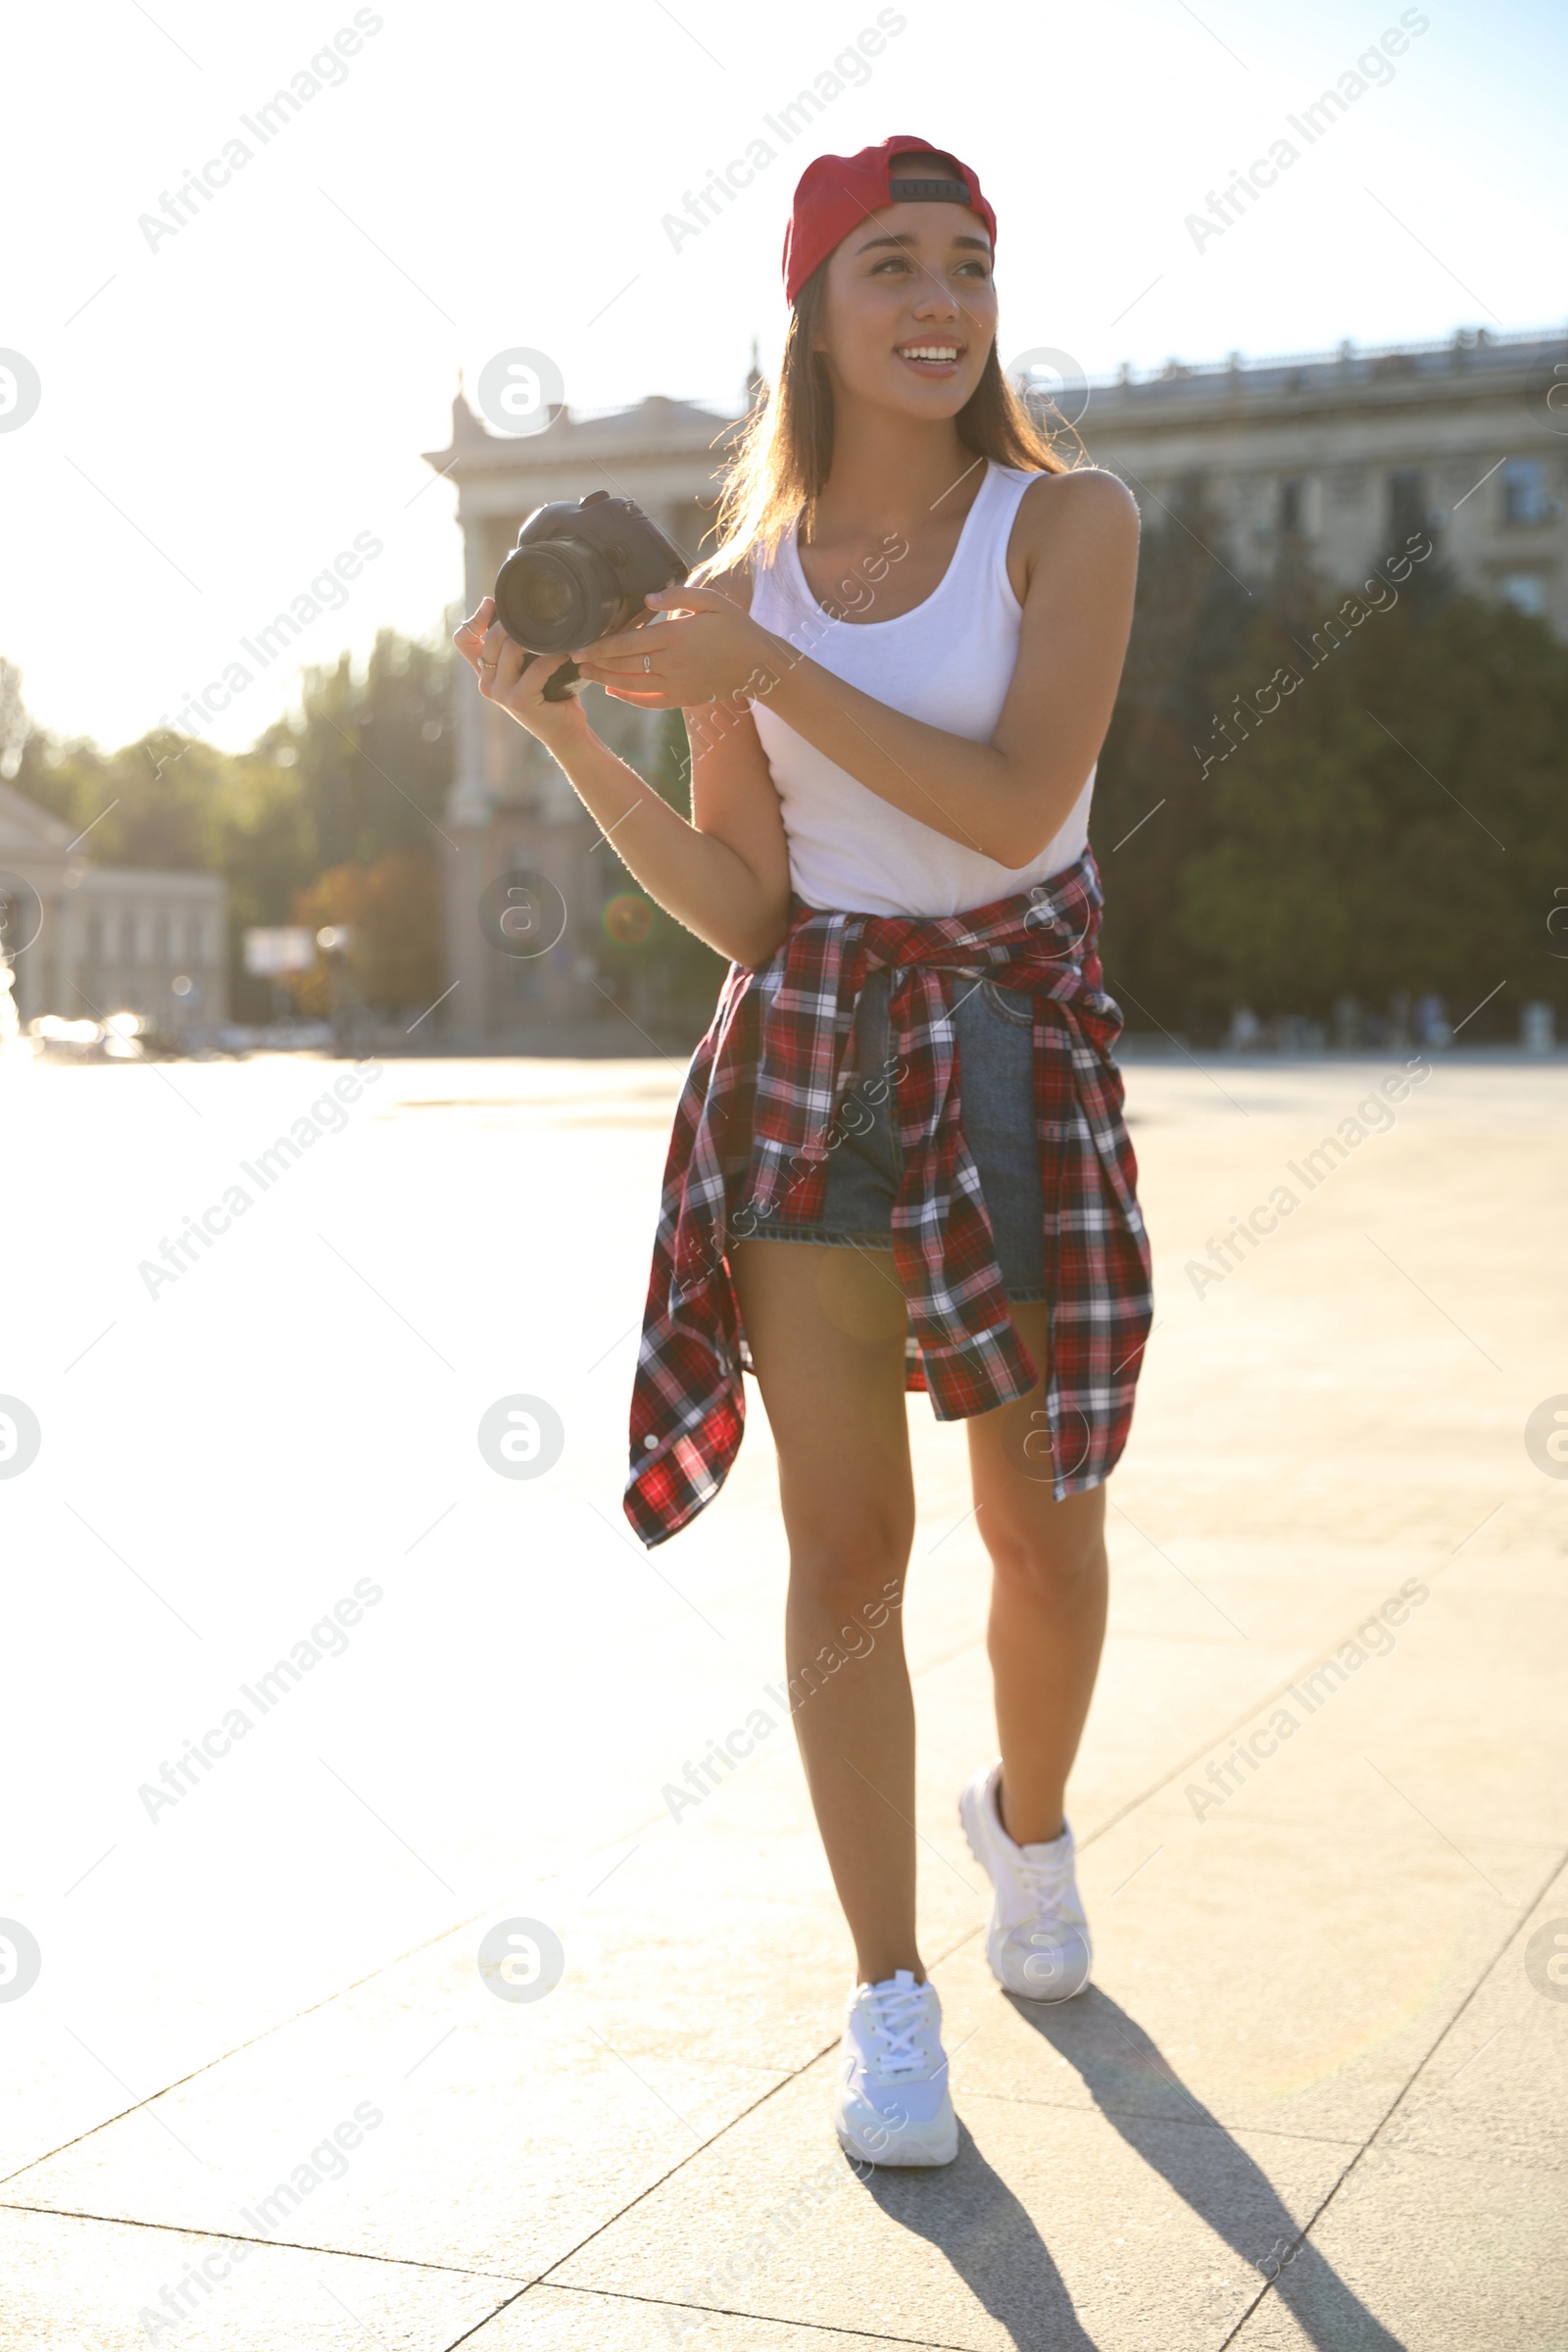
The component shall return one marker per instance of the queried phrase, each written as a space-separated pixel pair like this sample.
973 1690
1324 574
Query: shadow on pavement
970 2215
1138 2092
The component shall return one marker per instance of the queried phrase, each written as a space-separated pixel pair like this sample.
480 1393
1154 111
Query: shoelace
897 2016
1043 1885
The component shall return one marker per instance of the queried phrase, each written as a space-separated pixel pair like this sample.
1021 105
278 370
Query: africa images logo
1546 1437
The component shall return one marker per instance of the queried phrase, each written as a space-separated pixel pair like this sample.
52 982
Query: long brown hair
785 452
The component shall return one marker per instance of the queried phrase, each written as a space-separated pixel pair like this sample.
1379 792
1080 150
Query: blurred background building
87 941
1346 454
1331 460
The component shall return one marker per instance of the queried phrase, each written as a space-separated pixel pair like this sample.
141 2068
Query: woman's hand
710 654
516 680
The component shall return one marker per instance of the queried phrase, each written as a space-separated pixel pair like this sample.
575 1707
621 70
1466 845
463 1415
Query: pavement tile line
243 2237
1482 1977
249 2043
339 1993
470 2333
753 2318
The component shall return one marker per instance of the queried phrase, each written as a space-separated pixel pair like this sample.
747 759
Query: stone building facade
1342 452
1347 452
86 940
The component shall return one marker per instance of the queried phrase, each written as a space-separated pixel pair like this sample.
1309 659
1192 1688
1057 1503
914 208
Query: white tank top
949 663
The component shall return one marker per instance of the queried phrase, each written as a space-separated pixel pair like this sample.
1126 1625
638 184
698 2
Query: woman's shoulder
1088 495
1067 519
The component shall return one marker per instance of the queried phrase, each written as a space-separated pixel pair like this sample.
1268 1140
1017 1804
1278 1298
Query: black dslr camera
578 574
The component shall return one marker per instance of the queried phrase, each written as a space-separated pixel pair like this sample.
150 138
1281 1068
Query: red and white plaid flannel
755 1126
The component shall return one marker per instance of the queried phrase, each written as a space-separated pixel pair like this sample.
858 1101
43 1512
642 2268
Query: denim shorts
995 1028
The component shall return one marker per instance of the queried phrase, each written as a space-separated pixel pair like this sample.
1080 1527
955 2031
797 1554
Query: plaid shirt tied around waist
759 1117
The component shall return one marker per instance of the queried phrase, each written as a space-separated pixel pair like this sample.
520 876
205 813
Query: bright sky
224 413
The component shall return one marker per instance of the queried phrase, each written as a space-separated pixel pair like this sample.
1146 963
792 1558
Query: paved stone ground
260 2095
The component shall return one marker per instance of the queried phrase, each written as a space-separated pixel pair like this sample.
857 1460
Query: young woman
899 1159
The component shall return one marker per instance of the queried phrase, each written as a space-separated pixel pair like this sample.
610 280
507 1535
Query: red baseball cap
836 192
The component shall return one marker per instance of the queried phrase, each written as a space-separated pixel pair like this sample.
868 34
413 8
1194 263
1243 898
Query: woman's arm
725 875
1078 536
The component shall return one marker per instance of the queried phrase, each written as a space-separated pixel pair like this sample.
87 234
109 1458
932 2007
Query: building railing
1464 346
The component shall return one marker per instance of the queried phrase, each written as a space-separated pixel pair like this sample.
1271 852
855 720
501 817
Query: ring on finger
647 662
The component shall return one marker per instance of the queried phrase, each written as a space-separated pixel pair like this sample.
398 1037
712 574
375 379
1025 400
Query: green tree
373 749
392 913
153 803
648 958
1398 824
1151 808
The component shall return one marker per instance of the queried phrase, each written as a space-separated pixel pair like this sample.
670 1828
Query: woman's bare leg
825 1326
1047 1601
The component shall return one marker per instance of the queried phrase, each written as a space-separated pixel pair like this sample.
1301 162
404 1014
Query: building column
466 1011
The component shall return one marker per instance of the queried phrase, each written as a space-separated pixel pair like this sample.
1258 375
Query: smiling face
911 309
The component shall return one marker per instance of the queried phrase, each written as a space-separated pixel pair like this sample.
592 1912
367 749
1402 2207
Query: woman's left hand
705 650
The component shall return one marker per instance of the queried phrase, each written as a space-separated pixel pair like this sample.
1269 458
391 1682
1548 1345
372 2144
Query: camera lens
548 598
540 596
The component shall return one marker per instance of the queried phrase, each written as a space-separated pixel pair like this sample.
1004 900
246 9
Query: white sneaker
1038 1944
891 2101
